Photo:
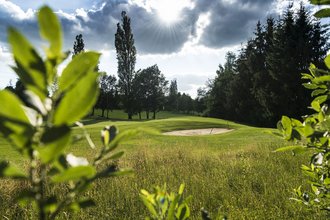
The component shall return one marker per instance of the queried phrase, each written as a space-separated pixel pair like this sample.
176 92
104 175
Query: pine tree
126 57
172 99
219 103
78 45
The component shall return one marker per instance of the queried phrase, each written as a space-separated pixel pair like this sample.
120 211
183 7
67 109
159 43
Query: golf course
235 173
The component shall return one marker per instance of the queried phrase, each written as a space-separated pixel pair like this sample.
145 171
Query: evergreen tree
172 99
200 100
219 103
126 57
266 81
298 40
78 45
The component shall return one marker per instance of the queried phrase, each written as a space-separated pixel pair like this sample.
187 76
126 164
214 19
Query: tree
78 45
126 57
311 135
172 99
219 99
149 89
200 100
108 91
10 87
298 40
268 66
186 103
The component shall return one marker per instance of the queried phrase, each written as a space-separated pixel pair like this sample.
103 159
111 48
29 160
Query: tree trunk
154 116
140 115
103 112
107 113
129 116
147 114
93 111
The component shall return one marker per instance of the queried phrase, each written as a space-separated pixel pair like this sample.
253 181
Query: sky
187 39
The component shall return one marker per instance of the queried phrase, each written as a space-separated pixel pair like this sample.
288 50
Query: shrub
42 129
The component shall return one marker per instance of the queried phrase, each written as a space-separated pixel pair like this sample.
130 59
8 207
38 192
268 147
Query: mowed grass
121 115
235 173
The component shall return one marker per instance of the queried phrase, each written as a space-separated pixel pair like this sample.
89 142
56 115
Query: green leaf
310 86
30 67
321 99
11 172
171 210
81 65
111 172
108 134
76 206
181 189
50 204
50 29
327 61
54 141
26 197
323 13
183 212
120 137
318 92
296 122
320 2
326 181
74 173
316 106
287 127
11 107
149 206
116 156
321 79
14 123
289 148
306 76
77 101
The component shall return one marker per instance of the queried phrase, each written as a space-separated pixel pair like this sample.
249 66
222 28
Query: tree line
263 81
255 86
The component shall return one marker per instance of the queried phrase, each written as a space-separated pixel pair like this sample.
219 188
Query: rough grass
236 173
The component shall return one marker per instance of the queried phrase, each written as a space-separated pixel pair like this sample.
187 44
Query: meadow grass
235 173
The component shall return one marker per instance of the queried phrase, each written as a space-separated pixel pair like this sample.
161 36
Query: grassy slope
235 172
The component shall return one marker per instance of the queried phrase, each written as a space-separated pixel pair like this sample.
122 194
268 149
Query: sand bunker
194 132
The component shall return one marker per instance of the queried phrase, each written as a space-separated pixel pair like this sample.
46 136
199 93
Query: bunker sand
194 132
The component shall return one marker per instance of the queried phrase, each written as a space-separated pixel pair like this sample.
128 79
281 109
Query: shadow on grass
97 119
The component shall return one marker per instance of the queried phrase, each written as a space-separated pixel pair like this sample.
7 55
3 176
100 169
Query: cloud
229 22
14 11
232 22
189 49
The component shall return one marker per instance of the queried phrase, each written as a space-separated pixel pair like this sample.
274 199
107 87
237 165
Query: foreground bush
40 126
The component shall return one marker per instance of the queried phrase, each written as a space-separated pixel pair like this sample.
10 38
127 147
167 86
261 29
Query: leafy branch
41 129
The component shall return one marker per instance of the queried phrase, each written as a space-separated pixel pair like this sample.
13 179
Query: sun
169 10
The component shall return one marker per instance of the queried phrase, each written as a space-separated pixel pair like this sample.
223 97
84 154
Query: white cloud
6 73
202 22
82 13
4 53
15 11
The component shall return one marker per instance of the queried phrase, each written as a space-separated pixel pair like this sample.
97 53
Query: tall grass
236 173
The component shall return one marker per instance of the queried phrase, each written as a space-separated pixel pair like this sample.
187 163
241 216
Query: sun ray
169 10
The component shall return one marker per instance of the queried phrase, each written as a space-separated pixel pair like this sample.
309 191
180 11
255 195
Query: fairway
235 173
